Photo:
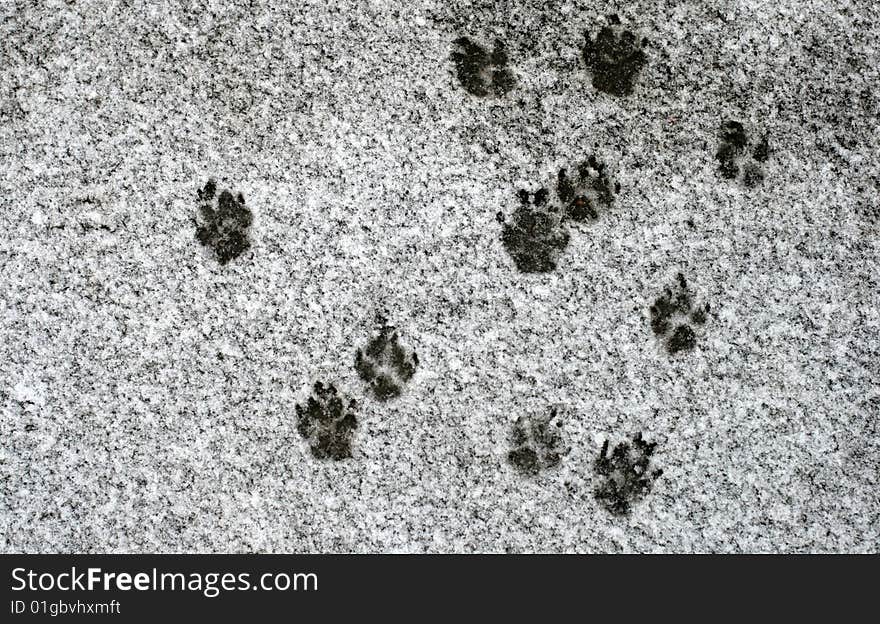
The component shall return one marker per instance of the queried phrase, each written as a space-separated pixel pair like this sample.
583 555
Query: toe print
614 58
327 422
536 236
385 364
673 315
625 475
737 157
225 222
590 190
480 72
537 443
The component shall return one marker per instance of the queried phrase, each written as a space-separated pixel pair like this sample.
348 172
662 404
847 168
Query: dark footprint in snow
480 72
385 365
625 474
224 224
587 192
615 58
674 315
327 421
537 443
738 158
536 235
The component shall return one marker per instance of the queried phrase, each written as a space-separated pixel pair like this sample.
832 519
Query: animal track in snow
615 58
327 421
738 158
480 72
385 365
225 222
626 476
674 314
537 443
537 234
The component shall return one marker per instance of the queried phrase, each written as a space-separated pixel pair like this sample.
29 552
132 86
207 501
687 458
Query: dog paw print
626 475
737 157
674 314
536 235
479 71
385 365
537 443
225 222
589 189
615 58
327 421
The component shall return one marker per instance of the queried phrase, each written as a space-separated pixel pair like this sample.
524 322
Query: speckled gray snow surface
439 276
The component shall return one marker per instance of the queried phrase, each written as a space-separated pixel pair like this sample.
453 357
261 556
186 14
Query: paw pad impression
737 157
537 443
225 222
625 474
327 421
480 72
385 364
589 189
615 58
536 236
673 314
